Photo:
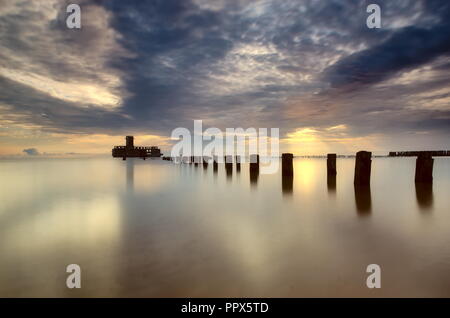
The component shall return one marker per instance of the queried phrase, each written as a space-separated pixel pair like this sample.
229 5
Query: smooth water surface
154 229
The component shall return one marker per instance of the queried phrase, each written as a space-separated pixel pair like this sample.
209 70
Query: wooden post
205 162
254 163
238 163
229 163
215 164
229 166
254 169
331 164
424 167
286 164
363 166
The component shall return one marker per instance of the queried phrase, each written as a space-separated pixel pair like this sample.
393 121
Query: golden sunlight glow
320 141
306 171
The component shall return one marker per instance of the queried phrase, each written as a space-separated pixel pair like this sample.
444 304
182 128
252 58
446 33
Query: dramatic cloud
147 67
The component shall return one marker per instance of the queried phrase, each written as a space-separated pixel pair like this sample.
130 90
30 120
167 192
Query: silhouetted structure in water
130 151
424 195
254 169
331 173
331 164
363 199
254 163
287 168
205 162
197 160
238 163
228 166
435 153
363 166
287 184
424 168
215 164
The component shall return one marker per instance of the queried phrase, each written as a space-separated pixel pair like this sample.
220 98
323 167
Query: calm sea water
154 229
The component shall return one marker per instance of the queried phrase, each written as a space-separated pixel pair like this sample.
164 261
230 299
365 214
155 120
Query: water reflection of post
254 169
424 195
287 184
215 164
238 164
363 200
331 184
229 166
196 161
254 174
130 175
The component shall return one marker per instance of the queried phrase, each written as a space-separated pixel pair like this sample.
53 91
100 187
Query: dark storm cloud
174 44
405 49
234 63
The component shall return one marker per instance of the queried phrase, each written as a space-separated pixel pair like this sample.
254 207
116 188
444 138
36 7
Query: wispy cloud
146 67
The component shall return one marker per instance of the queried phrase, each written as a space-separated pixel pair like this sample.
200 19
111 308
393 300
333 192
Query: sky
311 68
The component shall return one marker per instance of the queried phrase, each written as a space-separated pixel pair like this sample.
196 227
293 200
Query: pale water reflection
150 228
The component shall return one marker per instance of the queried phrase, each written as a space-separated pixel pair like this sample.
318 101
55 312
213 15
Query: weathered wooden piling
254 169
229 163
205 162
254 163
331 164
215 164
238 163
229 166
363 166
424 168
286 164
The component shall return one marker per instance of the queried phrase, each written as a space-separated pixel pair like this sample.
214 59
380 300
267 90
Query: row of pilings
363 165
